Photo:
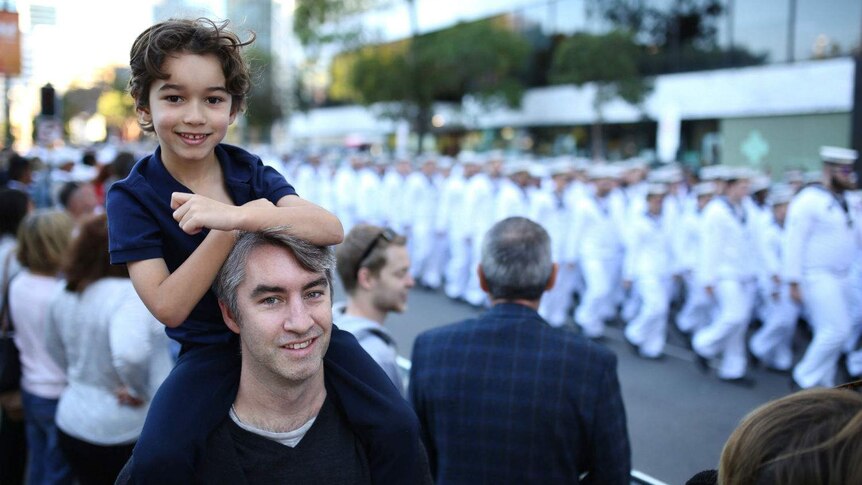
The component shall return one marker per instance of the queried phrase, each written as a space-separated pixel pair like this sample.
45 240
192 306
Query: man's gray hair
516 259
317 259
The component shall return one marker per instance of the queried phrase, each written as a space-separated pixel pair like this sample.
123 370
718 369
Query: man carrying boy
275 292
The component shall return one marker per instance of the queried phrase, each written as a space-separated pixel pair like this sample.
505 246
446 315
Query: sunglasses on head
386 234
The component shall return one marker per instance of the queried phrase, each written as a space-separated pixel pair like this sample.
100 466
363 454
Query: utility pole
7 79
856 114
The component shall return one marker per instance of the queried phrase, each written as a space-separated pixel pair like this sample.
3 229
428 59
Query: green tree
608 61
483 59
264 101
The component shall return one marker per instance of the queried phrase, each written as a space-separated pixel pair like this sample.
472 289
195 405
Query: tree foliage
484 59
319 22
264 102
610 62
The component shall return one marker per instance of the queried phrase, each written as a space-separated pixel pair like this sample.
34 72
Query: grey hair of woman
316 259
516 259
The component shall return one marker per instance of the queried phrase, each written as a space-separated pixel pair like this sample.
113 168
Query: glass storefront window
759 27
827 28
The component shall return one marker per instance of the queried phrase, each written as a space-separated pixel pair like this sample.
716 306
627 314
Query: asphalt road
678 418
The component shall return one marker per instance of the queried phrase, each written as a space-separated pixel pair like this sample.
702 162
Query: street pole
7 126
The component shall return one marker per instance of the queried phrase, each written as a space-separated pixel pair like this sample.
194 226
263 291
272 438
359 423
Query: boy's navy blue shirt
141 224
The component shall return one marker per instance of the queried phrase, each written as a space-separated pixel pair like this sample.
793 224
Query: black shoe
654 358
634 348
753 361
794 386
702 363
743 381
776 370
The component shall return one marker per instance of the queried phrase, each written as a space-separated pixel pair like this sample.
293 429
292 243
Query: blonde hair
811 437
43 238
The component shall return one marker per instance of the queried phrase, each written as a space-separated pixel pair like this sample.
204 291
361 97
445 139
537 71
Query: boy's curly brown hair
200 36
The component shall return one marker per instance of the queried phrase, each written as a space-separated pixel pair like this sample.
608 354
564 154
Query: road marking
646 479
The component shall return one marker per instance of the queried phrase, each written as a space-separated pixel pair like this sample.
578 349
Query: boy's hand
195 212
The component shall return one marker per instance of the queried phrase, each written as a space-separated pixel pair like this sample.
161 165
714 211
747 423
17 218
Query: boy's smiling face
191 109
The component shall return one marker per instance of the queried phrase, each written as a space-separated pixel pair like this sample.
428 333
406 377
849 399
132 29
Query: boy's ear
232 117
144 115
228 318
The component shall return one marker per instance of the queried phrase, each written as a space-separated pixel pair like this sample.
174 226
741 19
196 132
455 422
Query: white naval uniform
649 265
395 214
820 245
454 213
772 342
368 191
314 183
729 264
550 209
344 195
598 245
696 311
480 204
420 201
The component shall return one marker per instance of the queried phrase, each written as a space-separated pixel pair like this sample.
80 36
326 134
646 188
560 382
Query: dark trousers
13 450
94 464
198 393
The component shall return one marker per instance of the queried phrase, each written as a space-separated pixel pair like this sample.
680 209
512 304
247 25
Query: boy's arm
305 220
170 297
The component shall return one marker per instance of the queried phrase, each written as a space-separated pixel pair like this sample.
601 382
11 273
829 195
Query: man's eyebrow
318 282
264 289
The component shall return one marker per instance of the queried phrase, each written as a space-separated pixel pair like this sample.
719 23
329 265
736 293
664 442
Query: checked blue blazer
506 398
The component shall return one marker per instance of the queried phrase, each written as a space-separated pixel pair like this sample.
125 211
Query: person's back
511 399
505 397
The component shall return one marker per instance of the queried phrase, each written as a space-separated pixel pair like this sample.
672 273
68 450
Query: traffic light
48 100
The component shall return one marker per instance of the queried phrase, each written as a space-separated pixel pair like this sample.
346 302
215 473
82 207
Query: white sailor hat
712 172
704 188
780 194
561 166
843 156
603 171
666 175
469 157
539 170
758 183
517 165
738 173
656 189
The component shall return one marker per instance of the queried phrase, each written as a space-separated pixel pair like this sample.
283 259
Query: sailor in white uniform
598 244
821 243
420 201
730 267
551 209
648 271
696 311
454 210
480 203
772 342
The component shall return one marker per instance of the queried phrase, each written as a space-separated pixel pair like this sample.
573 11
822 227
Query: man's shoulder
485 330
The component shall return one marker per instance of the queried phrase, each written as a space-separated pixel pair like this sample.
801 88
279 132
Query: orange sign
10 44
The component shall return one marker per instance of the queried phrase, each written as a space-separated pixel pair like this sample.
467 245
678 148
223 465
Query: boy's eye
173 98
215 100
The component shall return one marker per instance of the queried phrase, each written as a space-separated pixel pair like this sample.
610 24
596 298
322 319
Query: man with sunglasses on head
374 267
821 243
